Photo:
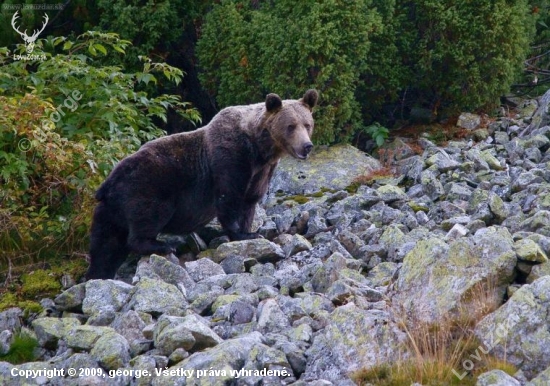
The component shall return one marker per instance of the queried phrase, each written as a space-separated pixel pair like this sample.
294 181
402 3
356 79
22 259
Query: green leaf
67 46
100 48
92 50
119 49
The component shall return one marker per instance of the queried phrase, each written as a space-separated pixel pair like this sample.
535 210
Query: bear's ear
310 98
273 102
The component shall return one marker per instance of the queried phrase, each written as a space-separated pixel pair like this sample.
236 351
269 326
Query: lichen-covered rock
50 330
491 160
519 331
538 221
369 337
271 318
390 193
443 162
172 338
82 361
297 244
203 268
538 271
143 363
431 184
383 273
233 264
469 121
437 278
158 267
111 351
84 337
529 250
155 297
328 273
260 249
396 243
72 298
541 117
6 340
227 359
334 167
6 377
10 319
130 325
542 379
105 295
496 378
190 333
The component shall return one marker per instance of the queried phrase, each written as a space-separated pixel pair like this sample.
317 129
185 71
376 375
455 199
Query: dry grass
372 176
438 351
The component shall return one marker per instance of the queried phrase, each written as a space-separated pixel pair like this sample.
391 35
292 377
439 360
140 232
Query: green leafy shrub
378 133
155 28
64 123
46 181
371 59
385 78
287 47
464 54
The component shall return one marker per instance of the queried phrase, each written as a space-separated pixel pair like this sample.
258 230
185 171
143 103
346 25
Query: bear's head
290 123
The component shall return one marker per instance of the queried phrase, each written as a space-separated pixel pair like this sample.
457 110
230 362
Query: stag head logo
29 40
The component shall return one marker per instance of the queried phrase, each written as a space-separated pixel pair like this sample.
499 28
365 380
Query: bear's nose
307 147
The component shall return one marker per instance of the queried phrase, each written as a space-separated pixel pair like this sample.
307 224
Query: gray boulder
72 298
541 117
105 295
130 325
10 319
156 297
334 167
203 268
50 330
438 279
84 337
496 378
262 250
353 339
469 121
191 333
519 331
111 351
542 379
247 352
158 267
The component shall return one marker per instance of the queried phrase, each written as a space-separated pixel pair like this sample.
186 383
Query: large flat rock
328 167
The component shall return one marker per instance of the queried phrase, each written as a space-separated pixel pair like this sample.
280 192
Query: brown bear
178 183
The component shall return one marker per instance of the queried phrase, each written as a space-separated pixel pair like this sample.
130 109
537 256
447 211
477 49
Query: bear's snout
302 152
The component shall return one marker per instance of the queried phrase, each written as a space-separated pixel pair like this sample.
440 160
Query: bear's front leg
236 218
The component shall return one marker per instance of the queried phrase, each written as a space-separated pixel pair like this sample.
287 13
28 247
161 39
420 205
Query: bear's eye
307 126
291 127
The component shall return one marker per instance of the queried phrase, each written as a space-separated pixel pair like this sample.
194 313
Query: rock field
340 265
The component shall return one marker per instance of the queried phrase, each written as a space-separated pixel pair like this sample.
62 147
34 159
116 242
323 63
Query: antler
36 33
26 38
13 19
